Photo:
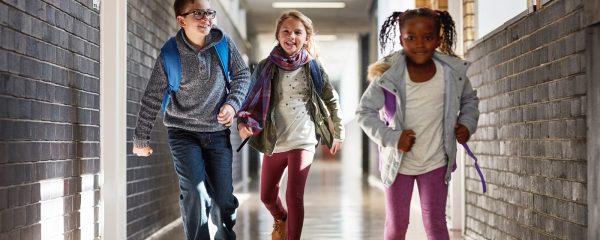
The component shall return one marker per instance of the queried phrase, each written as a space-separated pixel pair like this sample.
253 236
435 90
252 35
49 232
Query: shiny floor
339 204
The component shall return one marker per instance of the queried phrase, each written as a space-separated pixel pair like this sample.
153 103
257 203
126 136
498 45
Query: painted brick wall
49 119
152 185
531 141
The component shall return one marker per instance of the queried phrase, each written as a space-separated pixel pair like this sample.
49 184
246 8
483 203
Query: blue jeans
203 162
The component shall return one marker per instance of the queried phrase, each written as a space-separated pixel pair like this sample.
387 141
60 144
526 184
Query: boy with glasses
198 116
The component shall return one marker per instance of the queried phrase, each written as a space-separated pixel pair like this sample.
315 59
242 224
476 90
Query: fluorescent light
309 5
325 38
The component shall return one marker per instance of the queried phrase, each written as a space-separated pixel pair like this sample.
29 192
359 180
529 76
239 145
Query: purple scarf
255 108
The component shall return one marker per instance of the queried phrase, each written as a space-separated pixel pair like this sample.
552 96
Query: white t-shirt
295 129
424 115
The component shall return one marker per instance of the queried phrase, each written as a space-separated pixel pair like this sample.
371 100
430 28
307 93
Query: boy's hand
142 152
335 147
244 130
225 115
462 133
407 140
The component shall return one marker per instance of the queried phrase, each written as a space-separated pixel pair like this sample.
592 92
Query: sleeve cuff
235 107
471 127
392 139
138 143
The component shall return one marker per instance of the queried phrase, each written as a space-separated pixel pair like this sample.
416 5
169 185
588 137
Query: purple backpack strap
389 106
389 109
481 178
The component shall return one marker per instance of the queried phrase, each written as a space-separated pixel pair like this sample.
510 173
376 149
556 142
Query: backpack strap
222 48
481 177
389 106
315 73
172 67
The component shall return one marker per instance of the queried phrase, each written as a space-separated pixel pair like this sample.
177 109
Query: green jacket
324 110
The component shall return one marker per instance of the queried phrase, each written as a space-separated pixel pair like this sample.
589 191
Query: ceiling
351 19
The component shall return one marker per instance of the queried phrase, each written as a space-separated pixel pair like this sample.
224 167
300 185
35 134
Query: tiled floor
339 204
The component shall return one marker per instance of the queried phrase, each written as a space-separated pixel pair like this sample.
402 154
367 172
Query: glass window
492 14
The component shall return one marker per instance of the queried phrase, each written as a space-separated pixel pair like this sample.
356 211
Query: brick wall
531 141
152 185
49 119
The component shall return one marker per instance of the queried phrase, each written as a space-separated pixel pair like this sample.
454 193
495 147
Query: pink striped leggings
298 163
433 192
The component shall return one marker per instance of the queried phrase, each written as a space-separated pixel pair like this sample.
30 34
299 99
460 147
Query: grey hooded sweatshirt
202 91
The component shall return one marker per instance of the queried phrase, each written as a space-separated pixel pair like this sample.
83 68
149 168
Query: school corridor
73 72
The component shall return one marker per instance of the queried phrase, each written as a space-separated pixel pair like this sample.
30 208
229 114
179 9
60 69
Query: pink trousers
298 163
433 192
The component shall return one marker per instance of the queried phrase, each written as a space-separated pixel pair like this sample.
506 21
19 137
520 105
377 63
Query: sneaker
279 230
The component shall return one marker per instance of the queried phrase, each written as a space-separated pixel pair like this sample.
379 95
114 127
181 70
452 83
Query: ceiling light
309 5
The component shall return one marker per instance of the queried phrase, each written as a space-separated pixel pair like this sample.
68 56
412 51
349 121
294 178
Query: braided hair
442 20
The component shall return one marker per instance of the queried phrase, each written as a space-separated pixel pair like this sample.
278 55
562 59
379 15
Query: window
492 14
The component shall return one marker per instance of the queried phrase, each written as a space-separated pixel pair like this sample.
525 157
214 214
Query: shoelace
276 225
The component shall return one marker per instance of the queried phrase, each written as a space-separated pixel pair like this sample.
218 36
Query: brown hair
179 5
310 30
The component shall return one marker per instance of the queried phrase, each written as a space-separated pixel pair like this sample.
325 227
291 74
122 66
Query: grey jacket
202 91
460 105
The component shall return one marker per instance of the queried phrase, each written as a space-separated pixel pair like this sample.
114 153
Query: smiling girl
287 111
436 106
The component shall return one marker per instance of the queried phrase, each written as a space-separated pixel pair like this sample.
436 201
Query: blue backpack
172 66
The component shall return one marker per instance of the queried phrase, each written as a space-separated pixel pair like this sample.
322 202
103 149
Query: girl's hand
225 115
337 146
142 152
244 130
462 133
407 140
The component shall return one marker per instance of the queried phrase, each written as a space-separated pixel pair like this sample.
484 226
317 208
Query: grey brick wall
152 185
49 119
531 141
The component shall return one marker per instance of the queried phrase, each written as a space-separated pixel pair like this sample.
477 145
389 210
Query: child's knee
397 230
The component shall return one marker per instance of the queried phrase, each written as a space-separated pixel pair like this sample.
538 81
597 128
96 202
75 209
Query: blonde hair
310 30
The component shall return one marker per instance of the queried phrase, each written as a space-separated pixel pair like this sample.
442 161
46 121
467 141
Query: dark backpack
389 109
315 73
172 66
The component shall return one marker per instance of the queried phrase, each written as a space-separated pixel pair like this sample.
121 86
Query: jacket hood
214 36
377 69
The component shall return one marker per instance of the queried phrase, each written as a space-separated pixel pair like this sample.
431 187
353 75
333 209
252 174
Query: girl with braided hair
435 106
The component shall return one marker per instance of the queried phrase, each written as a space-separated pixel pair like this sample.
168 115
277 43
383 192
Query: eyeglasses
199 14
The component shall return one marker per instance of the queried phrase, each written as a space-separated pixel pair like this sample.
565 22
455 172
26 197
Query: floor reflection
339 204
